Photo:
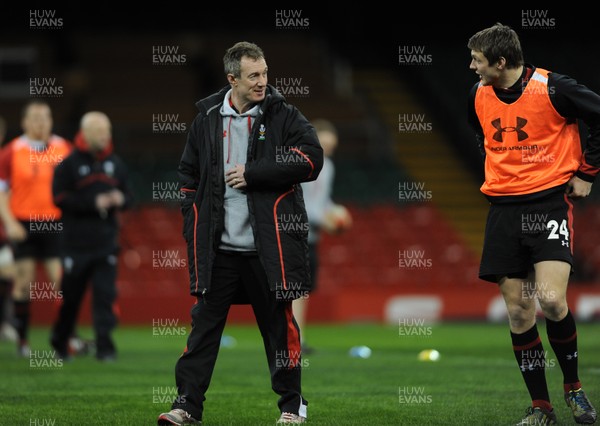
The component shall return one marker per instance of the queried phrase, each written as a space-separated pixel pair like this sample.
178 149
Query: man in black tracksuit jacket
246 228
90 186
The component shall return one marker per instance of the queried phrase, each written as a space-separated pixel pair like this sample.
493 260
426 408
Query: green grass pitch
475 381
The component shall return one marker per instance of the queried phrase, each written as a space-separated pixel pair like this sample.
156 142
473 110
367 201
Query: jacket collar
81 145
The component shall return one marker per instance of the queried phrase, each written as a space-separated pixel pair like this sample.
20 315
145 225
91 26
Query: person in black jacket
90 187
246 228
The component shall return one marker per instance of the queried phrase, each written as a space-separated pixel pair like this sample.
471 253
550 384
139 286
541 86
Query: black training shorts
520 234
44 241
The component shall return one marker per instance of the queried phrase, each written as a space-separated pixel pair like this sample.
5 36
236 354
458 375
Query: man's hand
117 198
234 177
107 200
578 188
15 231
103 201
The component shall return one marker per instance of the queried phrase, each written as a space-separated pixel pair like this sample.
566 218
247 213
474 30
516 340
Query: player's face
328 142
97 134
252 84
37 123
488 73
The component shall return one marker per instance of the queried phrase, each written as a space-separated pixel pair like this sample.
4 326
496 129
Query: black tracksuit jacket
78 179
273 190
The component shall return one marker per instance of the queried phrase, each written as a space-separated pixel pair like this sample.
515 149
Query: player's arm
188 169
121 197
300 159
14 230
5 213
576 101
189 173
474 121
330 178
125 187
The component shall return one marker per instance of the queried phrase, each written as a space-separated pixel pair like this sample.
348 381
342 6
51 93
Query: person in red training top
526 123
91 187
7 270
30 217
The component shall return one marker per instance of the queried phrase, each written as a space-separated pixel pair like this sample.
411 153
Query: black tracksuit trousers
276 323
81 269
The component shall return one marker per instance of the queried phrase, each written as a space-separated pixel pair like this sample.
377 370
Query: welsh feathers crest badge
261 132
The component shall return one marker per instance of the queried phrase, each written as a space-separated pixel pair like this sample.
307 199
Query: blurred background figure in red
7 271
30 217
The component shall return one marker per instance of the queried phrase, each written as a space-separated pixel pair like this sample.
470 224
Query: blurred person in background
322 215
30 217
7 271
246 154
91 187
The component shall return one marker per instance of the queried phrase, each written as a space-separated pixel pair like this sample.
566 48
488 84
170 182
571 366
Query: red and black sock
563 339
22 309
531 359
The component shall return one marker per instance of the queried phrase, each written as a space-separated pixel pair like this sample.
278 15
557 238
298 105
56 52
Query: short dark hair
34 102
498 41
233 56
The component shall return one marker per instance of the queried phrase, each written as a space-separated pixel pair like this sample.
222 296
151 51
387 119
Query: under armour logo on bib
521 134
